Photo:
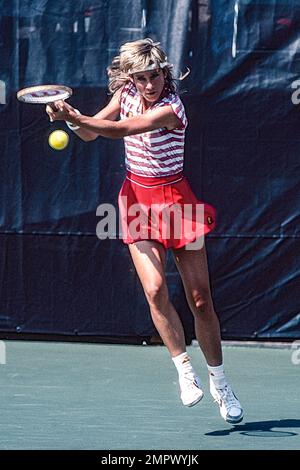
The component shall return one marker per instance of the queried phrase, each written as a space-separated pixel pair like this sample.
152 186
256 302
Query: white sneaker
190 387
230 407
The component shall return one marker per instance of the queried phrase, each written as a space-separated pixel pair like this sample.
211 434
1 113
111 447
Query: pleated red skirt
163 209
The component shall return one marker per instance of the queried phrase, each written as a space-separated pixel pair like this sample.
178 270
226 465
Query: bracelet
72 126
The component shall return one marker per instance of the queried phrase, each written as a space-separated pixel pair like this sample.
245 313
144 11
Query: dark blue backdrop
242 156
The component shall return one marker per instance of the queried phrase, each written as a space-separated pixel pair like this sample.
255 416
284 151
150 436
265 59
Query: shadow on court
261 429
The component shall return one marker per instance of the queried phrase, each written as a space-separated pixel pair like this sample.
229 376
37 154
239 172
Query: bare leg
149 260
192 266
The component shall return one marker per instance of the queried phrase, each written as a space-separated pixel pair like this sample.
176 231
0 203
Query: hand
61 111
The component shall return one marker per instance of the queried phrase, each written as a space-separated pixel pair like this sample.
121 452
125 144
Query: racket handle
51 104
54 109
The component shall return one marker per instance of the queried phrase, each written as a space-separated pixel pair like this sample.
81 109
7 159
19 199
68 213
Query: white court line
2 352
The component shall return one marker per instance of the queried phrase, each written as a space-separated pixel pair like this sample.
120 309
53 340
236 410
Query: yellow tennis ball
58 140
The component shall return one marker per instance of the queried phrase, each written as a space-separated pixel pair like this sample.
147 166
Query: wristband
72 126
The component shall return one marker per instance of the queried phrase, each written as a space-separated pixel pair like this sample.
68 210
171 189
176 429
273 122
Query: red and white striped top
155 153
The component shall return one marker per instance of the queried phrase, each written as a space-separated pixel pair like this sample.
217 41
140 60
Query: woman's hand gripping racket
53 96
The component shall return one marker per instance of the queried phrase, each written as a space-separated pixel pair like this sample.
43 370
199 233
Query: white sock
183 364
217 375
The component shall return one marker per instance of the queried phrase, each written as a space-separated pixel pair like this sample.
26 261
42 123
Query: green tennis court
99 396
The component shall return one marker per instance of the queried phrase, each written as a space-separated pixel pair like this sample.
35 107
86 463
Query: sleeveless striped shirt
159 152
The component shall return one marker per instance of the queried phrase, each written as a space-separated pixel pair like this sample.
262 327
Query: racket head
44 94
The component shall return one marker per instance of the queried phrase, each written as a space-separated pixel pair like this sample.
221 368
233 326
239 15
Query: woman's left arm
163 116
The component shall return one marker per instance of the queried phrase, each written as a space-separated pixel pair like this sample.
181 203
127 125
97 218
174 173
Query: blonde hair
138 56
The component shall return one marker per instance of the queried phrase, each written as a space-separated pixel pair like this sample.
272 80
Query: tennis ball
58 140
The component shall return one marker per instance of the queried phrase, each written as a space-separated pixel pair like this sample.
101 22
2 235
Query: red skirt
163 209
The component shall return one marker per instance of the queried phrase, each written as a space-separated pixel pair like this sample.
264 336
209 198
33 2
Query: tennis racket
44 94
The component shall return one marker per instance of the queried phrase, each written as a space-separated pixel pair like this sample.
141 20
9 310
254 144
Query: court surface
99 396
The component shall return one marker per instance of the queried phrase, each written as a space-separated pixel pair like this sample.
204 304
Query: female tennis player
152 123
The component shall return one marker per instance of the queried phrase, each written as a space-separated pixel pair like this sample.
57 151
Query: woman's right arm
110 112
